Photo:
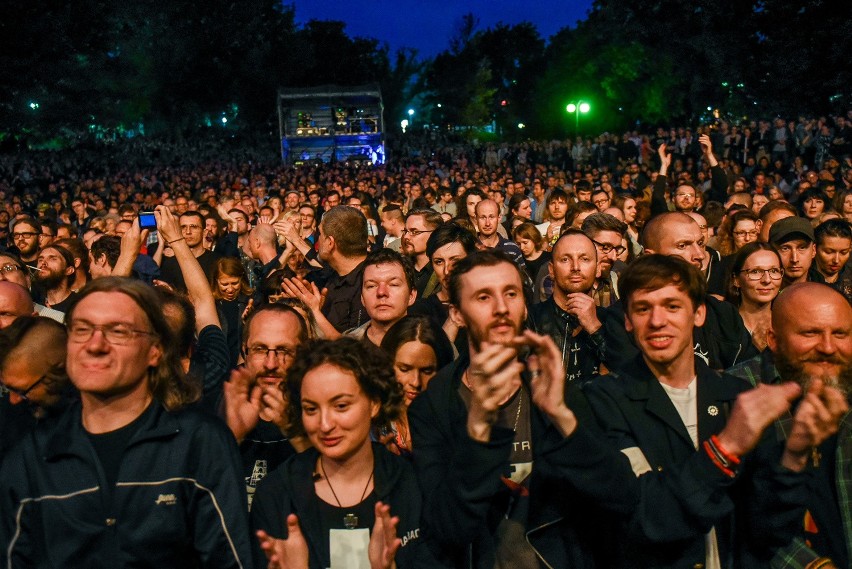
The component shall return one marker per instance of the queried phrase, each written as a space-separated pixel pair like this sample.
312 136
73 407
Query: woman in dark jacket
333 503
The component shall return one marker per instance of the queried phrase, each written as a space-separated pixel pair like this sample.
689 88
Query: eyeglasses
601 201
752 233
775 273
192 227
10 268
685 196
116 334
281 354
23 393
416 232
606 248
24 235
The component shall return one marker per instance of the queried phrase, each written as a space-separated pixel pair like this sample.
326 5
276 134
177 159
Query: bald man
808 350
15 301
36 386
722 341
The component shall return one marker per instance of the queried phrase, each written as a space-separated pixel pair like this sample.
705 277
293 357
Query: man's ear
456 316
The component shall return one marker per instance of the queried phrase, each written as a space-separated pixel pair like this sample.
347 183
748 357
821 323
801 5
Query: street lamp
577 108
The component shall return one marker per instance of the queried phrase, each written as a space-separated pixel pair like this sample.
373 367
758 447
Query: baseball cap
789 228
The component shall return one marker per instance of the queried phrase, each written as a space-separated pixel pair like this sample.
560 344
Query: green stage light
584 107
571 108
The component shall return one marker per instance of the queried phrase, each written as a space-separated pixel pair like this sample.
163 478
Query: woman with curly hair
332 503
738 229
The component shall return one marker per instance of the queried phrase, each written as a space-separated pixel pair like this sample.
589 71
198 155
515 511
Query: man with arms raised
507 467
686 429
128 476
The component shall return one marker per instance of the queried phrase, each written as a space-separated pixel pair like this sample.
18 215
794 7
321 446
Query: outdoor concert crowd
627 351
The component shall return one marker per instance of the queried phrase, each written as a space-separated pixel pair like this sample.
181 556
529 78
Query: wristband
716 460
818 563
176 240
732 458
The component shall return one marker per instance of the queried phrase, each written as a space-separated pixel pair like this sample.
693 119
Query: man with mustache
503 461
54 277
255 408
419 225
816 349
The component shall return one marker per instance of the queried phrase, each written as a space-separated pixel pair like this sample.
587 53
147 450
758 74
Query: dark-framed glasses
775 273
606 248
23 393
116 334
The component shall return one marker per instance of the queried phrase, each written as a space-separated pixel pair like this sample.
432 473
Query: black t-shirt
333 516
533 267
63 306
263 450
109 447
170 269
342 305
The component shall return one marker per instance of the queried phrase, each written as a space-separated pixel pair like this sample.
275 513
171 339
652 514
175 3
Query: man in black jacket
688 430
721 340
570 316
510 464
127 477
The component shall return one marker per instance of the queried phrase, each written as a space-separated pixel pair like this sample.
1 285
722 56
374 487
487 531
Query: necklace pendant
350 521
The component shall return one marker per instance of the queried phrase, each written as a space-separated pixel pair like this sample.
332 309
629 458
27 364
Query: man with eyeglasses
255 408
192 231
608 235
32 388
131 465
15 301
419 225
25 236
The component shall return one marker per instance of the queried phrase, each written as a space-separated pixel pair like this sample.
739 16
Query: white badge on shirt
349 548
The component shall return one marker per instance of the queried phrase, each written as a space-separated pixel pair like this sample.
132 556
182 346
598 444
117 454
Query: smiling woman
326 500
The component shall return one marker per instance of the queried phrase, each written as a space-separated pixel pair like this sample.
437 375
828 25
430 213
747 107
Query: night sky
428 25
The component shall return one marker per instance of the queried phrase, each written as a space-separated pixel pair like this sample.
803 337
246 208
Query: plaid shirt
797 554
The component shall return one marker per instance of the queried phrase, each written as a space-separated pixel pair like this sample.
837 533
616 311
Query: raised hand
548 381
665 158
242 403
494 375
817 417
383 540
290 553
583 307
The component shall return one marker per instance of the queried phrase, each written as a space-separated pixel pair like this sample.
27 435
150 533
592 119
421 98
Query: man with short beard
813 350
54 277
254 403
25 234
570 316
419 224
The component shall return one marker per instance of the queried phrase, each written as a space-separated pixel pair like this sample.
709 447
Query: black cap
789 228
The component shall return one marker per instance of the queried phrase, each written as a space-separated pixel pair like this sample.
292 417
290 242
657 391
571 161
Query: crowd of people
627 351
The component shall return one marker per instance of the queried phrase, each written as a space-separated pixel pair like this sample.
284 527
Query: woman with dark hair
233 301
520 211
812 203
754 282
418 350
320 505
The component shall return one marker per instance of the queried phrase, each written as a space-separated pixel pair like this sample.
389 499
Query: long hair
167 381
231 267
418 329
